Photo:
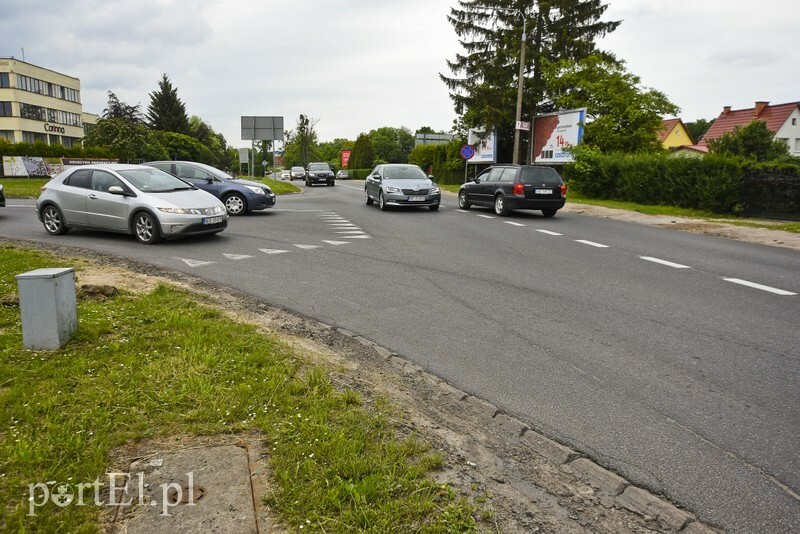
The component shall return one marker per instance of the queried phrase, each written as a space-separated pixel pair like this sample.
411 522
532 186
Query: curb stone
484 409
513 428
644 503
597 477
696 527
553 451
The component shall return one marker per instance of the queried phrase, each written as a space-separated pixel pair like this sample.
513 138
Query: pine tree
485 77
120 110
166 111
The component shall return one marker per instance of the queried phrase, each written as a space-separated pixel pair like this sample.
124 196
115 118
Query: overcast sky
357 65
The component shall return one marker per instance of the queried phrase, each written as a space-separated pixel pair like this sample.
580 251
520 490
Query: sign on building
555 133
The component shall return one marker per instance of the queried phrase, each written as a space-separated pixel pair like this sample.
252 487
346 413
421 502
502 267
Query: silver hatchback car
131 199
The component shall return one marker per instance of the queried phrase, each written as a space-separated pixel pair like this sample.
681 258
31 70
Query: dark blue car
239 196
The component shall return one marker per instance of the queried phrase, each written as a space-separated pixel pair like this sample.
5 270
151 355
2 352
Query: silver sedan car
396 184
131 199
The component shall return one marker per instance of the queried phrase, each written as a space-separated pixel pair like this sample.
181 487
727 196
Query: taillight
563 190
519 189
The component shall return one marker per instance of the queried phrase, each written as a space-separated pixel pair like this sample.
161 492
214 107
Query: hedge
713 183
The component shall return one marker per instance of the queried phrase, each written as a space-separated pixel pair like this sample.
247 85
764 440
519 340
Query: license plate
212 220
543 191
416 199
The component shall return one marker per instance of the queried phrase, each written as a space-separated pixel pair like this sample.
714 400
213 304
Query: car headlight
393 190
218 209
435 189
256 190
180 211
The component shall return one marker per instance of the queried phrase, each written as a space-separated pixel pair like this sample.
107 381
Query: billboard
262 128
485 144
554 133
346 158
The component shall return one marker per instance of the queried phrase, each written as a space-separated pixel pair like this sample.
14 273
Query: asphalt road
672 358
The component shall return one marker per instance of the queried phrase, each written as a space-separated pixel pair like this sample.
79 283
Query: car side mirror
116 190
477 180
430 177
209 179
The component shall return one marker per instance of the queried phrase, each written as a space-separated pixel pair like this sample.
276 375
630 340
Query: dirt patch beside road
748 234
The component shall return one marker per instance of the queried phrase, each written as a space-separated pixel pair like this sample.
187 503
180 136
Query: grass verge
165 363
280 187
22 187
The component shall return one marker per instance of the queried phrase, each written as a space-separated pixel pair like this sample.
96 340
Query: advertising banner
346 158
554 133
485 145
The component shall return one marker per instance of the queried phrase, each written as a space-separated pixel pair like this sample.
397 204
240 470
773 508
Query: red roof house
780 118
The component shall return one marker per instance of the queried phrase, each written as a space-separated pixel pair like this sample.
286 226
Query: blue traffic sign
467 152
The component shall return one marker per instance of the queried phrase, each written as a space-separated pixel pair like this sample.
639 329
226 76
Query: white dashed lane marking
356 236
591 243
548 232
236 256
335 242
512 223
305 247
486 216
273 251
195 263
665 262
759 286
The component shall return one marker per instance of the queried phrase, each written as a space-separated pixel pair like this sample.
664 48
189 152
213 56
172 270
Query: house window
797 145
4 79
5 109
794 121
8 135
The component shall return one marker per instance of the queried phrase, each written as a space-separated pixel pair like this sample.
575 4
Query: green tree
302 144
166 111
623 116
363 155
483 87
753 141
182 147
392 145
698 128
205 134
330 151
125 140
120 110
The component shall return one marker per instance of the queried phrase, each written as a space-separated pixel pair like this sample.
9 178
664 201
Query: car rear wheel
235 204
146 228
434 207
549 213
53 221
367 198
382 202
500 207
463 203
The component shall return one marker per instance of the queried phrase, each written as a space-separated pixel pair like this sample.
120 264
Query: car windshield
404 172
154 181
215 171
297 169
318 167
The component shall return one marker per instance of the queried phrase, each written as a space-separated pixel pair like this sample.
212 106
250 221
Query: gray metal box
48 307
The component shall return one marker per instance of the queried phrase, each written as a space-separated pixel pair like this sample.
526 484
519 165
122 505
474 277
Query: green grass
23 187
279 187
450 187
162 364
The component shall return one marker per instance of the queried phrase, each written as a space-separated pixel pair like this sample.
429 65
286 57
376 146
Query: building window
4 79
8 135
32 137
794 121
69 142
28 111
797 145
5 109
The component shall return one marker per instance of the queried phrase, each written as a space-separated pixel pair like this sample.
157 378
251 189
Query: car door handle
93 196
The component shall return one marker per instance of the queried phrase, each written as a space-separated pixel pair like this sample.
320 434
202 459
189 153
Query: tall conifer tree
483 86
166 111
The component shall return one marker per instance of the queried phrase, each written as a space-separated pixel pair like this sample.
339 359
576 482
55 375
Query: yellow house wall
677 137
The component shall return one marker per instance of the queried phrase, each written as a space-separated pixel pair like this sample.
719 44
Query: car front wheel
463 203
146 228
235 204
500 205
382 202
53 221
367 198
434 207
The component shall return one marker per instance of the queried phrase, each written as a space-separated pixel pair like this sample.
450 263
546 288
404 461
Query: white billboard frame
563 129
485 145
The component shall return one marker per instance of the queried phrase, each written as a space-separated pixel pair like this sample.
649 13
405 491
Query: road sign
467 152
523 125
244 155
262 128
263 163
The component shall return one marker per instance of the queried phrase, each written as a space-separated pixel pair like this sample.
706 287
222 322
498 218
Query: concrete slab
196 490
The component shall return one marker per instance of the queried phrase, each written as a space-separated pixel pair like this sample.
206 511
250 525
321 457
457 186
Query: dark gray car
395 184
510 187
